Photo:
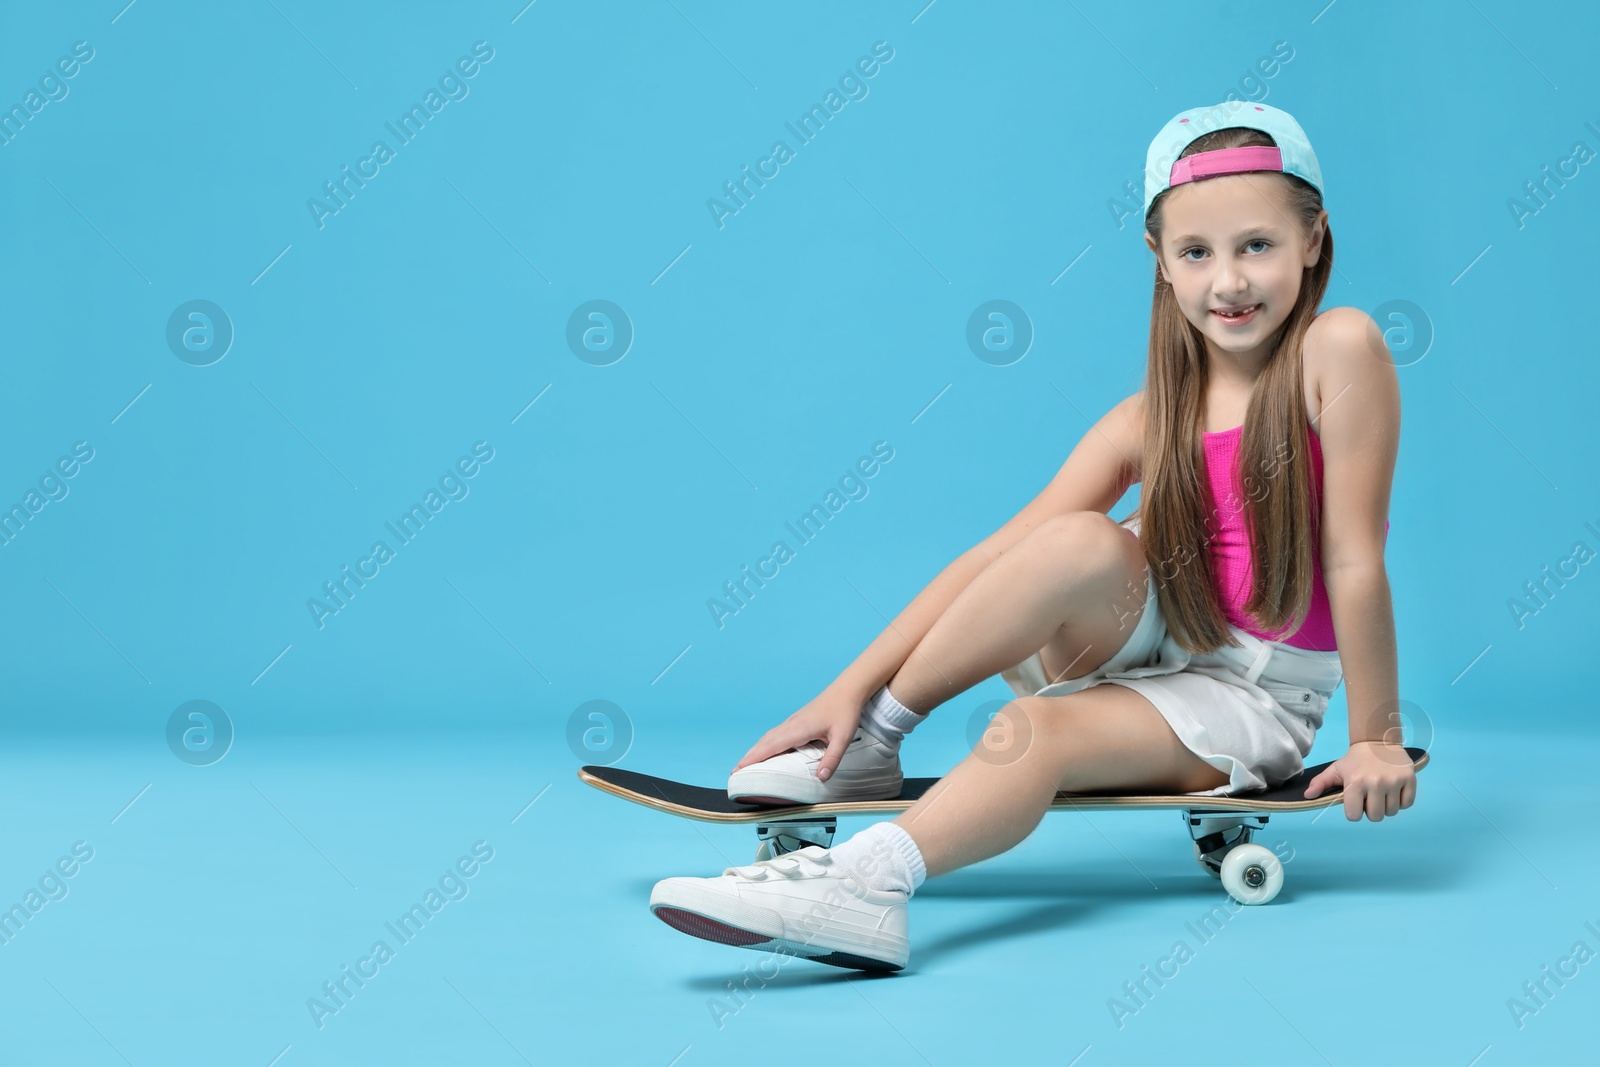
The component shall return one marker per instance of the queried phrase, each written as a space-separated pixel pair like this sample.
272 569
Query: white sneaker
800 903
868 770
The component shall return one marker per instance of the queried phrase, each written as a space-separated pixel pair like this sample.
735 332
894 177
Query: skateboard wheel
764 851
1252 874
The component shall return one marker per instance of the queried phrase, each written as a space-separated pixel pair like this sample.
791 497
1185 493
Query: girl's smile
1237 315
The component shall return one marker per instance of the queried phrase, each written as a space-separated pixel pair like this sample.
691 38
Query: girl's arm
1359 429
1101 468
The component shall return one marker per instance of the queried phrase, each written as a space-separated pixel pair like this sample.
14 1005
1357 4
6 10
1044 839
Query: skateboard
1220 827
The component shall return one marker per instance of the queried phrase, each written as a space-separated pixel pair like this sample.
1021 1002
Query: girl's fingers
1317 785
771 746
1373 801
763 751
837 743
1392 797
758 752
1354 803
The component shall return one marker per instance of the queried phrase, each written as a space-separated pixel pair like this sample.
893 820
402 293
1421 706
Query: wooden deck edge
1061 802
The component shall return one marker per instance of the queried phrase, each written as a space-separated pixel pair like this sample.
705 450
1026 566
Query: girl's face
1231 243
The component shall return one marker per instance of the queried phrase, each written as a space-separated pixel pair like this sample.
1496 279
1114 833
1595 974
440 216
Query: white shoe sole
685 906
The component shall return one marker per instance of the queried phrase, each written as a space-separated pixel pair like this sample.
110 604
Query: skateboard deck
1221 827
714 805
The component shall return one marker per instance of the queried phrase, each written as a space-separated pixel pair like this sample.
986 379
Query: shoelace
816 748
797 864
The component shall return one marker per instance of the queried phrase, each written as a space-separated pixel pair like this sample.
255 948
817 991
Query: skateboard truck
780 837
1211 829
1223 849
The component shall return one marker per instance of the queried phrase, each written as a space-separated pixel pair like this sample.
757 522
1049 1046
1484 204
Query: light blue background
769 355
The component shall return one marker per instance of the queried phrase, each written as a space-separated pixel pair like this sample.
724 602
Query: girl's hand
829 717
1377 777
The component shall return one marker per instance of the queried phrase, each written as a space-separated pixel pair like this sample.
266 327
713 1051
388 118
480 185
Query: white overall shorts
1251 711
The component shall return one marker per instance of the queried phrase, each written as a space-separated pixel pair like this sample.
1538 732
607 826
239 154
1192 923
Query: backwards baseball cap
1292 154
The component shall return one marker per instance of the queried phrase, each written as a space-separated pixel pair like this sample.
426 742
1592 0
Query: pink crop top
1230 549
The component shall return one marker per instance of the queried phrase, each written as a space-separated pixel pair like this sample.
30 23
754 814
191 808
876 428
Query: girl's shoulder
1334 339
1333 334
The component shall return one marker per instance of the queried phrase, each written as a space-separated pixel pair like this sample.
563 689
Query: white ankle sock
887 719
883 856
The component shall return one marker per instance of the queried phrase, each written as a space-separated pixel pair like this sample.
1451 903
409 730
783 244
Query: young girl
1265 442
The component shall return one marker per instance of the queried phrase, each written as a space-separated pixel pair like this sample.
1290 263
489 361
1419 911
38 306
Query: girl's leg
1106 736
1072 589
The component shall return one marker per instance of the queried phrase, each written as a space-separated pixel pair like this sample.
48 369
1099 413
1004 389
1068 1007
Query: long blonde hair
1176 506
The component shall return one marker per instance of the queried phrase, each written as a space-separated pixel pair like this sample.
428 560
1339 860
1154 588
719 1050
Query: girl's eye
1256 241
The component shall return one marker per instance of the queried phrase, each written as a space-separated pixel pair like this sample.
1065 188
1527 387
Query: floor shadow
1040 919
1102 884
792 973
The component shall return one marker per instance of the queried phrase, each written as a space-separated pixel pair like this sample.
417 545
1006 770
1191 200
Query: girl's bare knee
1105 597
1017 732
1077 543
